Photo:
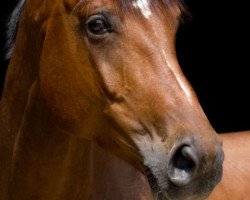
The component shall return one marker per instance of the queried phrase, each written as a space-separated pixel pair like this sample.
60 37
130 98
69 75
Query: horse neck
46 161
67 167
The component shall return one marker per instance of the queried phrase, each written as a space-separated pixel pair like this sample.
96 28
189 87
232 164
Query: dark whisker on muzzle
152 181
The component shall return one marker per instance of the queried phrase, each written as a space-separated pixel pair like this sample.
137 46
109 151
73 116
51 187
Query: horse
94 86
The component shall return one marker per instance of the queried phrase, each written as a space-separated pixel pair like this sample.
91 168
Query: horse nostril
182 165
184 159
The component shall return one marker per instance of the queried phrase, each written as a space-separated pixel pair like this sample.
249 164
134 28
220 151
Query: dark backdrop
212 49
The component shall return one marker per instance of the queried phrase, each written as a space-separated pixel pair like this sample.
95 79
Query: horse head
108 72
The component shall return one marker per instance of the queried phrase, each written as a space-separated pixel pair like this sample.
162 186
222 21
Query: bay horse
95 106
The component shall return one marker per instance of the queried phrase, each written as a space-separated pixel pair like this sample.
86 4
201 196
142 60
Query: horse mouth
158 193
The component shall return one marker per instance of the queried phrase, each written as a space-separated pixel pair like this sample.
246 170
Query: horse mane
13 21
12 25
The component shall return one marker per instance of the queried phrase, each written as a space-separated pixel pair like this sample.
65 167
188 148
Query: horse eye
98 25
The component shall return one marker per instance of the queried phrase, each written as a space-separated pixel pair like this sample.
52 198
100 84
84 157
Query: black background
212 49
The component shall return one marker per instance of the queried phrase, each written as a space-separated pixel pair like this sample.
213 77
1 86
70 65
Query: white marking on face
183 86
144 6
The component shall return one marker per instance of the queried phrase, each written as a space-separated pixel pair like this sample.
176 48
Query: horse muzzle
191 173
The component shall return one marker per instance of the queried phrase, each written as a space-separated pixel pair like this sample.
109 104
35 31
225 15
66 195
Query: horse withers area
95 106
